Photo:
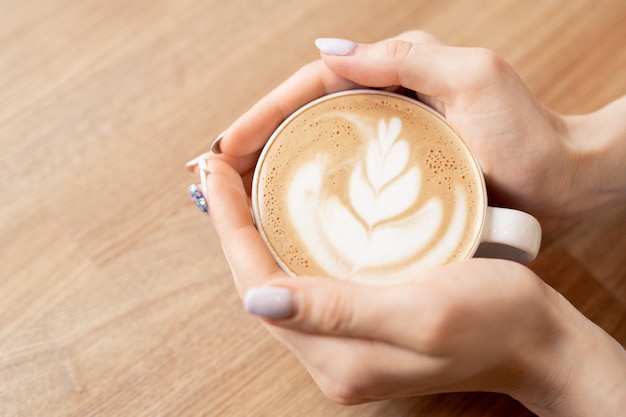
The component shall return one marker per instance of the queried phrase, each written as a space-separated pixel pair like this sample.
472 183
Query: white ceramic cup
505 233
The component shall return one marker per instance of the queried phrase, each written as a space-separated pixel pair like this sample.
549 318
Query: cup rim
266 148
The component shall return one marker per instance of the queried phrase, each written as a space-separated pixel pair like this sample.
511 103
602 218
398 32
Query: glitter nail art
198 198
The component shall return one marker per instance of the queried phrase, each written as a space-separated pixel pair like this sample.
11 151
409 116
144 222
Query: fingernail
216 145
198 198
268 302
195 161
335 46
203 173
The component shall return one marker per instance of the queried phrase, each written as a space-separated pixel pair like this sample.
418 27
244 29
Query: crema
367 187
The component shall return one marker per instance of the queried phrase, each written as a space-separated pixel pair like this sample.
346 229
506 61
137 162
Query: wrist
597 143
574 369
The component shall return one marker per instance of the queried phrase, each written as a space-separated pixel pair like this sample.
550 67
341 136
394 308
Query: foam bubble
361 202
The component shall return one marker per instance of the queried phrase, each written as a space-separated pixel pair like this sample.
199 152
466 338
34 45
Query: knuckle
398 49
344 395
489 60
440 329
344 385
334 314
486 66
433 337
418 36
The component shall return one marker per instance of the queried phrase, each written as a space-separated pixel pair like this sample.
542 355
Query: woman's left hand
473 325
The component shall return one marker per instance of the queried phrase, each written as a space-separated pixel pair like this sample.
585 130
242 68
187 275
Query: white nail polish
268 302
335 46
193 162
203 174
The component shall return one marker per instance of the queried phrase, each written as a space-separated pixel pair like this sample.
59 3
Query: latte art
354 192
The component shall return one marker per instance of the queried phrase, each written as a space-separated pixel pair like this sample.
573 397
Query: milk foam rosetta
356 198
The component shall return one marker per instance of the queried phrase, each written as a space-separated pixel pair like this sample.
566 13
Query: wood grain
116 299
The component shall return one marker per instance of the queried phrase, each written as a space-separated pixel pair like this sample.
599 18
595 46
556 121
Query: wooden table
115 297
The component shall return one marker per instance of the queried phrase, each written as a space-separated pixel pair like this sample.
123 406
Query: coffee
368 187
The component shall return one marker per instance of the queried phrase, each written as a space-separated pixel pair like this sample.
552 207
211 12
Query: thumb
332 307
414 61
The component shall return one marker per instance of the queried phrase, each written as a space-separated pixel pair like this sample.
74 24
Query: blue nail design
198 198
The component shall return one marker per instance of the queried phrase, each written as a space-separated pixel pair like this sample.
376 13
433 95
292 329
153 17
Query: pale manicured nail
268 302
335 46
203 173
195 161
216 145
215 148
201 163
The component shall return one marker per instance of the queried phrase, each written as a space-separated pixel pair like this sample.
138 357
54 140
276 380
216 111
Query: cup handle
509 234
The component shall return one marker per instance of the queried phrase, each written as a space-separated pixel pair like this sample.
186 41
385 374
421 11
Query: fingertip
415 60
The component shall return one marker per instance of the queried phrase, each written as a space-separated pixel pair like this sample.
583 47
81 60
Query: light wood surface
115 298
